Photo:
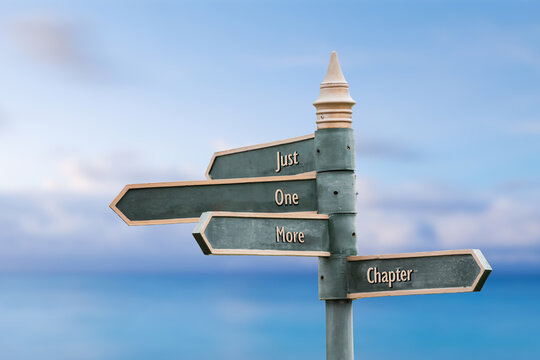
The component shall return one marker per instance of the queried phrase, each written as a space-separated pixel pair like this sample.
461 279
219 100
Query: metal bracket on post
333 278
336 197
334 149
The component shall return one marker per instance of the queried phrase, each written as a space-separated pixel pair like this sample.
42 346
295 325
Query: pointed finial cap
334 105
334 74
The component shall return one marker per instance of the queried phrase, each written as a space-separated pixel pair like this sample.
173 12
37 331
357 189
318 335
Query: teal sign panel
177 202
233 233
416 273
286 157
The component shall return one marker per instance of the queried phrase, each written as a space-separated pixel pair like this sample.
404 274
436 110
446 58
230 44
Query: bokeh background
98 94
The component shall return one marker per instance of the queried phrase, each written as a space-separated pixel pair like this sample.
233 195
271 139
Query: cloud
220 144
386 150
56 41
514 47
506 223
425 217
527 127
52 231
424 198
520 186
108 173
3 124
67 224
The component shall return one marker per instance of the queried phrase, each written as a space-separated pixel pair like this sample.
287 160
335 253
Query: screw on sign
296 197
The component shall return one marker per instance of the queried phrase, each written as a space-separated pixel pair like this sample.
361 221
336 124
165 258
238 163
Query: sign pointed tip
334 75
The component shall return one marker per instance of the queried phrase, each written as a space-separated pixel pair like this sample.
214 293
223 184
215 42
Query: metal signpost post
297 197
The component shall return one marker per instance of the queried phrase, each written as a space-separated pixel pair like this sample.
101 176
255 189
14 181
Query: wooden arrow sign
286 157
185 201
231 233
417 273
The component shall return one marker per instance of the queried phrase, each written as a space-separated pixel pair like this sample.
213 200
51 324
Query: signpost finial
334 105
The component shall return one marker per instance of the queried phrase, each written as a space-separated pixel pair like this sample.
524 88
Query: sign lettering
286 160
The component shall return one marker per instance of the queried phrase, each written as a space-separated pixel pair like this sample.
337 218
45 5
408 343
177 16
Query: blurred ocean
254 316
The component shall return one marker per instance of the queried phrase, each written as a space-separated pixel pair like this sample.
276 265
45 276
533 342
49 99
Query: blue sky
95 95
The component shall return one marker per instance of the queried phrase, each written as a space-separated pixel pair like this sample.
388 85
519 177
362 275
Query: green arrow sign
278 158
231 233
417 273
177 202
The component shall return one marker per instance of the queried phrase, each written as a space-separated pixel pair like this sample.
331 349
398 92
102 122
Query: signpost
278 158
231 233
185 201
296 197
434 272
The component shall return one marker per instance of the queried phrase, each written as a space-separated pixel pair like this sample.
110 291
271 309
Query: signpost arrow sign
185 201
285 157
232 233
434 272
